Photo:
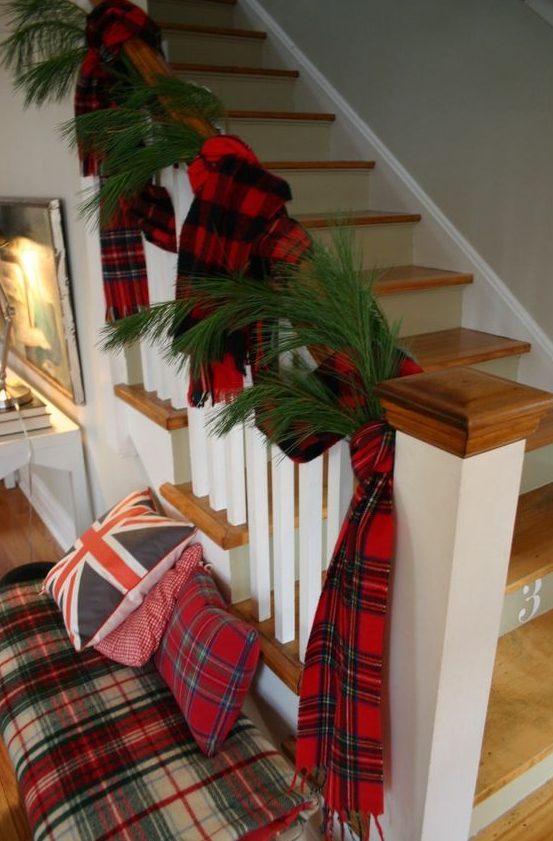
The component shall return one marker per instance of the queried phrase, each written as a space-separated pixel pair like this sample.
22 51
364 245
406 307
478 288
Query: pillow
113 565
137 639
208 658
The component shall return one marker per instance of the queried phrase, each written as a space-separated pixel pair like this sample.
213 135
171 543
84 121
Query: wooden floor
23 538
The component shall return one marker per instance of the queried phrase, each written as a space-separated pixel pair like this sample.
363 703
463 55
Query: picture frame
35 275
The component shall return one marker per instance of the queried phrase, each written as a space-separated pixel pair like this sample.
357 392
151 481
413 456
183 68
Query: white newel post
455 513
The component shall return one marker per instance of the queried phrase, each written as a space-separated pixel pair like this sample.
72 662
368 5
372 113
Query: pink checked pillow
114 564
208 658
137 639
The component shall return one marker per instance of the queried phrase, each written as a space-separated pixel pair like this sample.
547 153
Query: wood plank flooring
23 538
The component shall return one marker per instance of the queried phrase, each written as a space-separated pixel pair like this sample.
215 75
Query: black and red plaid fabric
339 724
108 26
124 272
237 223
123 259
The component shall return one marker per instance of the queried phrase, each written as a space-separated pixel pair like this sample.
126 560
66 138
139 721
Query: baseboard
54 516
490 304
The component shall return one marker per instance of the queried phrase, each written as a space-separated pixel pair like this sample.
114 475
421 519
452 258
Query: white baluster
235 476
216 465
156 266
177 183
258 522
339 491
197 437
283 545
310 544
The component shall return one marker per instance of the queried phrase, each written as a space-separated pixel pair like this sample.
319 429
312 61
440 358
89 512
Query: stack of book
31 416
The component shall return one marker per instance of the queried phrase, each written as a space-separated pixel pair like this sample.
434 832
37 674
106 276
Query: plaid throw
339 725
123 261
101 751
237 223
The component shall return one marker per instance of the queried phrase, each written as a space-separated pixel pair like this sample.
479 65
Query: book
15 425
32 409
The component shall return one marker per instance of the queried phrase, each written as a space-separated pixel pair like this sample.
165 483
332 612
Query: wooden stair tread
415 278
532 549
519 725
235 70
529 820
282 658
215 523
460 346
149 404
198 511
311 116
543 434
319 164
212 30
359 217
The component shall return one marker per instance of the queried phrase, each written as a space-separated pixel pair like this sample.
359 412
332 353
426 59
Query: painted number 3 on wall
532 597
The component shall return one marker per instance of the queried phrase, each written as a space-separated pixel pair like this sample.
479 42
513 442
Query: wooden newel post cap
464 411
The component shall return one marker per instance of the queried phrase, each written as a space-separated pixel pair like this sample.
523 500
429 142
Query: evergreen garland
140 137
46 47
327 302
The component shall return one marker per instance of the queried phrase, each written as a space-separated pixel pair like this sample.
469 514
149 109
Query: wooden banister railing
151 65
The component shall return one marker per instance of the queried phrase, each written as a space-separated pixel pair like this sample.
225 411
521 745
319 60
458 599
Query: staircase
210 43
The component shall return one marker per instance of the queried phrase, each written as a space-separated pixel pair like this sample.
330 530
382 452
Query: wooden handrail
151 65
462 410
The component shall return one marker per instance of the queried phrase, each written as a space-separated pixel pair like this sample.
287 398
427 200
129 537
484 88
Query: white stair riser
538 469
506 367
246 92
527 603
521 787
424 312
194 12
378 245
315 191
197 48
283 139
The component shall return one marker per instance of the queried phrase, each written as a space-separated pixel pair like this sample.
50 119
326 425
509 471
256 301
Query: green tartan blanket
101 751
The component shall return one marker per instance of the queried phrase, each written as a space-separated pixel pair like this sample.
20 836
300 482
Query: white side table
60 448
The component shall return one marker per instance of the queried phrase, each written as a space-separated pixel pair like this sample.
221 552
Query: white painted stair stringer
489 304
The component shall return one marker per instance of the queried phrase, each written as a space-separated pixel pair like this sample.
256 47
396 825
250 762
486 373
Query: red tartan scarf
339 726
123 259
237 223
122 250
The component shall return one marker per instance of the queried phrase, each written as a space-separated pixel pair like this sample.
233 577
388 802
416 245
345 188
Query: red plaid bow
108 26
237 222
151 213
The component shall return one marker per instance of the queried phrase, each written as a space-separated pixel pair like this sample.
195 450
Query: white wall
460 92
35 162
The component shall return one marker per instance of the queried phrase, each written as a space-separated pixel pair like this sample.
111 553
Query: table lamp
14 393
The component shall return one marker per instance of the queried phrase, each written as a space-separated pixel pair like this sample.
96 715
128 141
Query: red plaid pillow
137 639
207 658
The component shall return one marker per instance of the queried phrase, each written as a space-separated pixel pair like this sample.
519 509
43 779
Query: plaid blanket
101 751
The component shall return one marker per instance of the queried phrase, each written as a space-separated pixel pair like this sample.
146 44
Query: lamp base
12 394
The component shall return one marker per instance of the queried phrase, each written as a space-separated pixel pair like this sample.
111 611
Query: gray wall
461 91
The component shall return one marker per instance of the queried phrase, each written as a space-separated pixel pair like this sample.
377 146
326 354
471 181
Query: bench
101 751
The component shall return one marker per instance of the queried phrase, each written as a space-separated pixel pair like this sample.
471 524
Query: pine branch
45 47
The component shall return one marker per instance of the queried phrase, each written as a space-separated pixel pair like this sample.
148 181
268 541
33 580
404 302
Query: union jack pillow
208 658
113 565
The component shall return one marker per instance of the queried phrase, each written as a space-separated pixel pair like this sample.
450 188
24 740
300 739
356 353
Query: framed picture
35 277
